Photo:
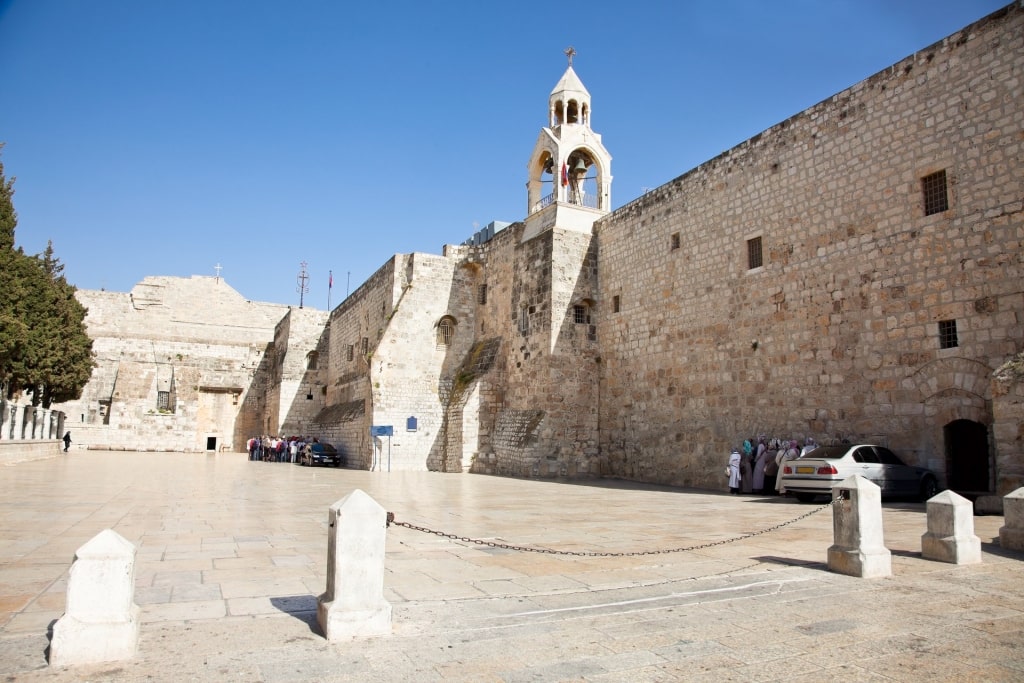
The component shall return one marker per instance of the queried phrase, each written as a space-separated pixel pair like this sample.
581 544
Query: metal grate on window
351 351
936 199
947 334
581 314
482 295
754 258
445 330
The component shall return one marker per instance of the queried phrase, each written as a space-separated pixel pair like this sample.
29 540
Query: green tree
44 346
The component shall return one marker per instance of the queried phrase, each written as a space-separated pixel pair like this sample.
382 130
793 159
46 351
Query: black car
321 454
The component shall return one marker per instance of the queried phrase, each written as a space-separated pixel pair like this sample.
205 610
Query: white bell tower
570 175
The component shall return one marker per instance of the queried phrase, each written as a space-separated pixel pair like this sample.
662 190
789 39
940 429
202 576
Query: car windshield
828 452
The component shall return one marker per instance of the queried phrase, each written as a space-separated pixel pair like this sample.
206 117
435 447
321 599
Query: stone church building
853 272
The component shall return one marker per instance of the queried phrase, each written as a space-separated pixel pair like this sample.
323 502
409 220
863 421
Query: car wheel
805 497
929 487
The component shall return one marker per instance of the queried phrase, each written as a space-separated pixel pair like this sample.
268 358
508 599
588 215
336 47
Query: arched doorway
967 456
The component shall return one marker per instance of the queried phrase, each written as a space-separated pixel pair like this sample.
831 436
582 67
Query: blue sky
164 138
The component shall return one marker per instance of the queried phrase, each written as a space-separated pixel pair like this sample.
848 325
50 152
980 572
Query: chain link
585 553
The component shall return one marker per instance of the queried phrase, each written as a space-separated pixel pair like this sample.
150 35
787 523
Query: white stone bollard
1011 534
101 620
858 548
950 536
353 604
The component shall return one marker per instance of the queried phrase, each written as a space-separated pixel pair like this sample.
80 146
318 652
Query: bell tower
570 176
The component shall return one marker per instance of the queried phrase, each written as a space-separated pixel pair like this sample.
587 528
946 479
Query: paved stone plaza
232 554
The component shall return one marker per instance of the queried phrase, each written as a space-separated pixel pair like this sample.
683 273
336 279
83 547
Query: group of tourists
755 468
277 448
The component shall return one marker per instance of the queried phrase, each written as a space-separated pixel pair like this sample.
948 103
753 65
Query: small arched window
445 330
312 358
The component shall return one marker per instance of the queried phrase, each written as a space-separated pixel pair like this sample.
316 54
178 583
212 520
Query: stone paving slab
232 555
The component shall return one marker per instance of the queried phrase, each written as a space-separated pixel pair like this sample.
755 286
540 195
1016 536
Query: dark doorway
211 443
967 464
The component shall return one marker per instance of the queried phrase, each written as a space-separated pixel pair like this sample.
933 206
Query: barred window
947 334
445 331
366 345
351 351
581 314
936 199
754 258
481 297
524 320
163 400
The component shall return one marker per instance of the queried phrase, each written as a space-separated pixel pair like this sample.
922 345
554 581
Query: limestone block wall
176 361
535 413
836 334
298 391
355 328
1008 425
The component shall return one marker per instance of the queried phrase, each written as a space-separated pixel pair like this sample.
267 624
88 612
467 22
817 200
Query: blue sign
382 430
410 424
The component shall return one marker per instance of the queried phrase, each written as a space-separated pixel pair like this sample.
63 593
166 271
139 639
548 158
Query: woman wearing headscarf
734 471
747 466
785 453
759 462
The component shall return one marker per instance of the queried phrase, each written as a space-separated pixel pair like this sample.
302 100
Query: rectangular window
351 351
754 259
581 314
366 345
615 304
163 400
675 241
947 334
933 186
482 295
524 321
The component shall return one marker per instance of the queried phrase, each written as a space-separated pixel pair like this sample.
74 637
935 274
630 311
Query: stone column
5 419
19 421
101 620
1011 534
353 604
858 548
950 536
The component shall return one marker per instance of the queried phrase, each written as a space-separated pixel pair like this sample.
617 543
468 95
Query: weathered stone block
950 536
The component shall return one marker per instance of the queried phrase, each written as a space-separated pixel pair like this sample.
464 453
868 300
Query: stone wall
177 363
836 334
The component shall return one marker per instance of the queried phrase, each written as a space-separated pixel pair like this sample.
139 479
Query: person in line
747 466
786 453
67 441
734 471
757 485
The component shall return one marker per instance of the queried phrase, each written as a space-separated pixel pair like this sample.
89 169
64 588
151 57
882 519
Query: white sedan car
817 472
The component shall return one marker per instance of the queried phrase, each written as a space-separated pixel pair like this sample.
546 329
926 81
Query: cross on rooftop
218 268
570 52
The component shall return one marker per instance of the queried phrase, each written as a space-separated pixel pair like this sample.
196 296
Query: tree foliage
44 347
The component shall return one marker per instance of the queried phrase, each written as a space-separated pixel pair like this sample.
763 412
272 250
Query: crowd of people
277 448
755 468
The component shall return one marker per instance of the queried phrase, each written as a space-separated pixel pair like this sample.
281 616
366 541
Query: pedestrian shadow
301 607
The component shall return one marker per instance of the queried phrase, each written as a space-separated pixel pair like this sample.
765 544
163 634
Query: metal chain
585 553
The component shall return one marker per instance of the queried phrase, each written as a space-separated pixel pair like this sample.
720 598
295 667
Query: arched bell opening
572 113
542 187
581 178
559 114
